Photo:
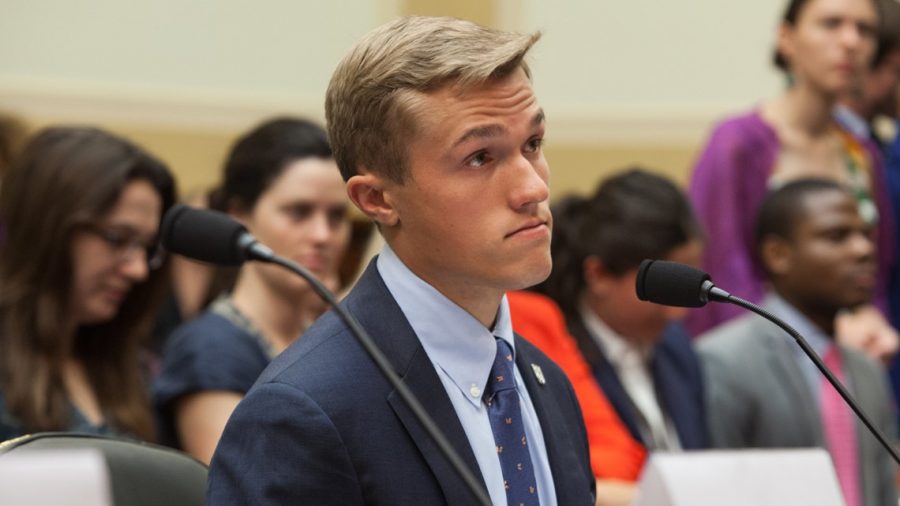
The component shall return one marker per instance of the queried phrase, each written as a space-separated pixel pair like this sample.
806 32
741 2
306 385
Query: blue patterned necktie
509 430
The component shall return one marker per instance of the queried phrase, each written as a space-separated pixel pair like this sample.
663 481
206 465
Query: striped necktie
840 431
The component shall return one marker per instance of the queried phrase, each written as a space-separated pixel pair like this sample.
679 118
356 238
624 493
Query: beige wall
642 81
623 83
576 169
479 11
182 77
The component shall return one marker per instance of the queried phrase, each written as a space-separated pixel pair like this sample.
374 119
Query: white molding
43 101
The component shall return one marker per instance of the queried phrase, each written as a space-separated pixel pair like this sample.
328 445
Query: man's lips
529 226
863 277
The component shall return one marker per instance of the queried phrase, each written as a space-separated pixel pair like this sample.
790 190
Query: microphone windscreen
201 234
671 284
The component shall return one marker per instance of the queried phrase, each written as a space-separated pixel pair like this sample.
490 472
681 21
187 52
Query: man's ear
775 254
597 278
368 192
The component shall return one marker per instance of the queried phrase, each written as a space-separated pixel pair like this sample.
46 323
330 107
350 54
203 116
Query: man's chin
533 274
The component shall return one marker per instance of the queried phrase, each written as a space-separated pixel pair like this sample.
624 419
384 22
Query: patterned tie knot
502 376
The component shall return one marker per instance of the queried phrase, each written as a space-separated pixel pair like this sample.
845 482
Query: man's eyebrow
480 133
494 130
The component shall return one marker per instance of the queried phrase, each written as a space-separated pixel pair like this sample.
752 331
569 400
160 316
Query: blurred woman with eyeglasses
80 274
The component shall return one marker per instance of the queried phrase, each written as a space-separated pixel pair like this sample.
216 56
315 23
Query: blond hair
369 104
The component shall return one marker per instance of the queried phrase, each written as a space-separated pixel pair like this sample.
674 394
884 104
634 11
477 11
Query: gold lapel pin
538 373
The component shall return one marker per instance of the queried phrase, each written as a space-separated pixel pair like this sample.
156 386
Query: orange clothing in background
614 453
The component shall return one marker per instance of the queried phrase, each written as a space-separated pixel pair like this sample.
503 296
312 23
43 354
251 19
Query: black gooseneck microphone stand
674 284
257 251
214 237
807 349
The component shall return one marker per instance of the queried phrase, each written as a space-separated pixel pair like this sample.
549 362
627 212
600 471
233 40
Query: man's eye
838 235
534 145
868 31
478 159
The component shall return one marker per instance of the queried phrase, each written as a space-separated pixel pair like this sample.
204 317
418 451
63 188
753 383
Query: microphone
216 238
209 236
674 284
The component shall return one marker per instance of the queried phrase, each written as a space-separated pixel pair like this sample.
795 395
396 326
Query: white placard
77 477
740 478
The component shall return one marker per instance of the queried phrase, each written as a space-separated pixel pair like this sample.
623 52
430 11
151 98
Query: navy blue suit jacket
322 426
676 375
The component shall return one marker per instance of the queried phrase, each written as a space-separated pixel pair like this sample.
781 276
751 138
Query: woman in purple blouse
823 46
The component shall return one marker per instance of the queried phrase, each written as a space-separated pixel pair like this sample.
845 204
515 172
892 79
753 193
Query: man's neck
635 334
479 301
821 318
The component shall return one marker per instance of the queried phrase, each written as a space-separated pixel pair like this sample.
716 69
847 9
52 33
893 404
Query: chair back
140 474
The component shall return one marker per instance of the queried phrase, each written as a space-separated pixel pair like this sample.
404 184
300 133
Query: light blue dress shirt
462 351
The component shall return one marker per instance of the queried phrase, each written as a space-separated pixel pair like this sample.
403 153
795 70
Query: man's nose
530 184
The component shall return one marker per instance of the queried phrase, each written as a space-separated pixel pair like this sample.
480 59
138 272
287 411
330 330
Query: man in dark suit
639 353
676 377
436 129
762 391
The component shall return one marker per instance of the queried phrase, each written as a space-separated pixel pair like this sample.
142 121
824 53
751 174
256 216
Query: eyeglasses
125 242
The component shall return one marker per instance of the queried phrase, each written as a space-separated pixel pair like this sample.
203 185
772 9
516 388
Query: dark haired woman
639 355
823 46
79 278
280 180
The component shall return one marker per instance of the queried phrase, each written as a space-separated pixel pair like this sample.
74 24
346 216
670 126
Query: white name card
77 477
740 478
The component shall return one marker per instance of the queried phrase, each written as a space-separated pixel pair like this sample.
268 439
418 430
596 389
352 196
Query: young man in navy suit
438 133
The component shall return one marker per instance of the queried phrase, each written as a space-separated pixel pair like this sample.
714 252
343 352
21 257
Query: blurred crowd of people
793 205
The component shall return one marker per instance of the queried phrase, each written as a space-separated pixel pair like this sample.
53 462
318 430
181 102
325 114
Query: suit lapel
424 383
586 344
380 315
870 398
605 375
780 356
678 392
609 381
674 399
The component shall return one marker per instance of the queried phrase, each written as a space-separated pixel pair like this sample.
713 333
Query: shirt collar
854 123
618 350
815 337
454 340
